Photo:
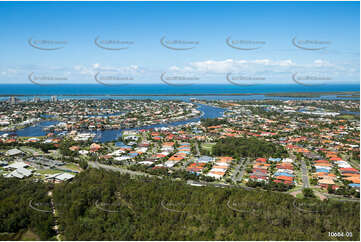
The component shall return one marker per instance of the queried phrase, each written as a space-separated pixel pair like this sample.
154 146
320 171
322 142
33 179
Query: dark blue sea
85 91
163 89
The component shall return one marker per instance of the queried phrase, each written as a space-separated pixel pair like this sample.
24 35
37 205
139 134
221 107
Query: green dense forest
16 216
213 121
247 147
102 205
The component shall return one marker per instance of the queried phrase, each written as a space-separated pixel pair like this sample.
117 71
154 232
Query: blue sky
329 29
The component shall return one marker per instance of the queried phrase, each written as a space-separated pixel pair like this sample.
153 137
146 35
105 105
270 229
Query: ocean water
163 89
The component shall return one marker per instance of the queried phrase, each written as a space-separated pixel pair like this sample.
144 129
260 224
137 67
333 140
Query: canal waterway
113 134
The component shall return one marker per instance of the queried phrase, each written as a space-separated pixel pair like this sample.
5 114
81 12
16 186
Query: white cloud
206 69
321 63
286 63
264 62
231 65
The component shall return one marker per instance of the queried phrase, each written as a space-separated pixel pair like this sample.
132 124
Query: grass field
29 236
295 189
355 163
347 116
22 235
49 171
208 146
72 167
299 195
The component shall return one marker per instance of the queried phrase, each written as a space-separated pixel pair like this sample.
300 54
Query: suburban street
197 149
241 172
304 175
241 168
234 176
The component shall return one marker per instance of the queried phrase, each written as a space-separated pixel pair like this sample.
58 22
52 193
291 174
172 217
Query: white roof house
218 169
23 171
222 164
122 158
83 152
205 159
287 160
19 173
13 152
4 122
15 174
216 176
117 153
170 164
146 163
131 137
143 149
64 177
61 176
16 165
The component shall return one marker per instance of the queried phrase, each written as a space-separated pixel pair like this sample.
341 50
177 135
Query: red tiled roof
285 178
261 160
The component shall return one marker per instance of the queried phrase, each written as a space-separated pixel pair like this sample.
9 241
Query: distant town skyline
176 42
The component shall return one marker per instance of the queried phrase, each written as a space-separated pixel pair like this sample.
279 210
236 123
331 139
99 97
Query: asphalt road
197 149
121 170
306 183
340 198
240 170
234 175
